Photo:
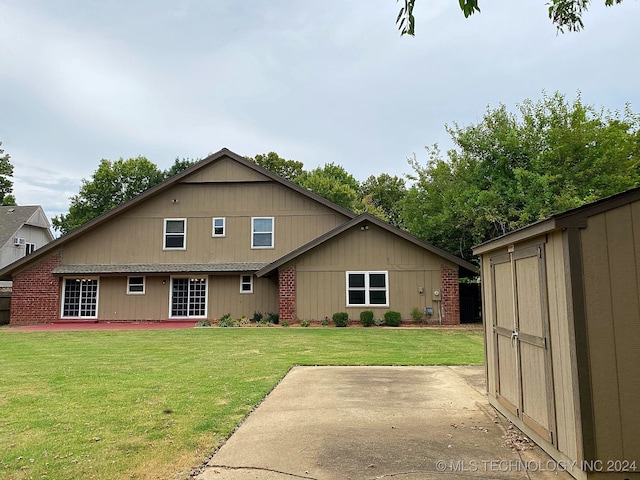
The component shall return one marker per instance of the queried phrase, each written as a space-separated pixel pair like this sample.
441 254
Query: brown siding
321 274
136 236
611 249
223 297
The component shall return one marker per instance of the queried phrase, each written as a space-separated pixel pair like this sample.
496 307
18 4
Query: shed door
521 330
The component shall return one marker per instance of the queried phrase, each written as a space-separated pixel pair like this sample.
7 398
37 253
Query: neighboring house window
188 297
80 298
29 248
219 227
262 232
175 233
367 288
135 285
246 283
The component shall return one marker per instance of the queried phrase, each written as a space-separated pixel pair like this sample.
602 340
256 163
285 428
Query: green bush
257 317
285 324
379 322
340 319
392 318
227 321
325 323
304 323
416 314
273 318
366 318
203 323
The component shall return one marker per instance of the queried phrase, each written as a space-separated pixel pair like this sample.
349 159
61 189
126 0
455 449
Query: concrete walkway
378 422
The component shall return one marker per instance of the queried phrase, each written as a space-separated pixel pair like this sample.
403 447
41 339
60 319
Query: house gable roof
13 218
182 177
355 222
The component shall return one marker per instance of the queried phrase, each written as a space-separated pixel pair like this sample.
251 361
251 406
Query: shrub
273 318
245 322
325 323
379 322
416 314
304 323
257 316
227 321
285 324
392 318
366 318
203 323
340 319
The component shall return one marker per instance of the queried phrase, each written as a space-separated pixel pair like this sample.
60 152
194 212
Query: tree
332 182
6 185
112 184
512 169
564 14
289 169
179 165
387 194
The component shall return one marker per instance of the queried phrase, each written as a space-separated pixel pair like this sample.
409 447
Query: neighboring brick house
228 236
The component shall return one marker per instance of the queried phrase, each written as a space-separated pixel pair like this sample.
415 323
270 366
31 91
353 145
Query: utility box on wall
561 301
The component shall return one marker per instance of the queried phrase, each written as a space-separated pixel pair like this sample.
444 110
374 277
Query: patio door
521 332
188 297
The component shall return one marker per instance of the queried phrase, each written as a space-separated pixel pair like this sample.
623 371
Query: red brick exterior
287 294
450 294
35 296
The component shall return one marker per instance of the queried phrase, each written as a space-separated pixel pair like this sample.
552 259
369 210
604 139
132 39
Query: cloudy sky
315 81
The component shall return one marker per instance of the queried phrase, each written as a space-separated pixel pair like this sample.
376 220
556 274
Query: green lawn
156 403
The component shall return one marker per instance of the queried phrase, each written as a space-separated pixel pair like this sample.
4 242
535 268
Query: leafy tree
512 169
112 184
332 182
386 193
179 165
6 185
289 169
565 14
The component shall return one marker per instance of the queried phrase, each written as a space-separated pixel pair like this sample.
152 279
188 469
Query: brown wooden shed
561 301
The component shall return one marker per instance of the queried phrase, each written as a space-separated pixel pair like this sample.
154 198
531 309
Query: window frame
367 288
166 234
143 285
205 306
224 227
29 248
250 283
271 232
64 305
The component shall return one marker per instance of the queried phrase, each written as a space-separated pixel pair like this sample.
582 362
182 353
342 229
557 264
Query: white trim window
262 232
80 298
135 285
368 289
246 283
175 234
188 297
218 227
29 248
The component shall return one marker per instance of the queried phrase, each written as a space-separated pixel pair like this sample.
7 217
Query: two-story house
22 231
227 236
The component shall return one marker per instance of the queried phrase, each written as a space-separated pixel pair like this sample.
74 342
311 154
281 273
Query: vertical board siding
225 297
136 236
114 304
560 345
321 274
602 342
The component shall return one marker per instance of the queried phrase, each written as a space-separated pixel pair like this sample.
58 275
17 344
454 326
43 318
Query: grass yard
155 403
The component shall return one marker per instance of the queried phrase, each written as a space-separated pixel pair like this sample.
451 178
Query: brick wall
287 294
450 294
35 296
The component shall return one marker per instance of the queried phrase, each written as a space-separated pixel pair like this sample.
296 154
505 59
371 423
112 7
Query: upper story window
175 234
135 285
262 232
367 289
219 227
29 248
